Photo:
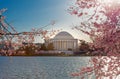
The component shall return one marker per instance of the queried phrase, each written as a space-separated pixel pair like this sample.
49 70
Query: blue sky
31 13
27 14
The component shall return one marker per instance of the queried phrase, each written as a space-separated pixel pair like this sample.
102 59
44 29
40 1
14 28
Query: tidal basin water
41 67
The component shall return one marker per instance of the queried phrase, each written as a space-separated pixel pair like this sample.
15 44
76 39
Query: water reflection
40 67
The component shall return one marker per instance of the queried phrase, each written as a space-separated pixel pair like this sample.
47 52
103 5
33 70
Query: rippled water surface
40 67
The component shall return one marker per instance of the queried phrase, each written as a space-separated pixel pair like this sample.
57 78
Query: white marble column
68 44
65 44
57 45
60 44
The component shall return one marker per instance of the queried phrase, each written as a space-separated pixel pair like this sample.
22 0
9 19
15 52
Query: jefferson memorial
64 41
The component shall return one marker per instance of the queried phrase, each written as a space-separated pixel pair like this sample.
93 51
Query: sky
27 14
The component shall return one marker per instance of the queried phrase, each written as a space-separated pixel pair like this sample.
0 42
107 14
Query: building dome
63 41
63 35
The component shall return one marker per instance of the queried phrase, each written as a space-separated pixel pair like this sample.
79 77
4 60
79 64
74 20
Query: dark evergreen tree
50 46
43 47
84 47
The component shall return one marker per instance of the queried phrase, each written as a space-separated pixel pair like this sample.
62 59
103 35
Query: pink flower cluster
103 27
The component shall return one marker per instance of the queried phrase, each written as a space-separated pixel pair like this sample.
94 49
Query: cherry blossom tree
102 24
9 37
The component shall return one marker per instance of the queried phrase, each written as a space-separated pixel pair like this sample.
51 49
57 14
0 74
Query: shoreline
47 56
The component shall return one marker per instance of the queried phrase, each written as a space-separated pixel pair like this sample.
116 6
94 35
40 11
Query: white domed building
64 41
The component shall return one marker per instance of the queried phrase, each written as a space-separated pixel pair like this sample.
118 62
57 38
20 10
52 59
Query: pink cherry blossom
104 30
